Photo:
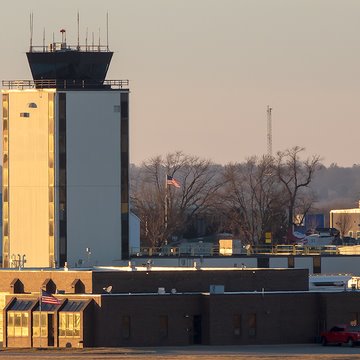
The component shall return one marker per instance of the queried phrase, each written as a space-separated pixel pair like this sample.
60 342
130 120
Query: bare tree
343 223
252 194
296 175
151 197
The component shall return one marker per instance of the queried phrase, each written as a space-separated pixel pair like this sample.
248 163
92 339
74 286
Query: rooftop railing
61 46
188 250
64 84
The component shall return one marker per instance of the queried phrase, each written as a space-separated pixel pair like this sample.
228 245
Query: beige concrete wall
29 177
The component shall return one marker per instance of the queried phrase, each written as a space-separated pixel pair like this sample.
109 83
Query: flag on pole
172 181
47 298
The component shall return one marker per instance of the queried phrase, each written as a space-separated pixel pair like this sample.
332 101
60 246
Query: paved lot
266 352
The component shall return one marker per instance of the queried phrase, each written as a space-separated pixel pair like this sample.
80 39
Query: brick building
147 307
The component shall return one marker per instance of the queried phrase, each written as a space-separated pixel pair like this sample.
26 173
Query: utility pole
269 131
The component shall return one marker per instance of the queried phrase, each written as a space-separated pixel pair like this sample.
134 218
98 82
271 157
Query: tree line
248 199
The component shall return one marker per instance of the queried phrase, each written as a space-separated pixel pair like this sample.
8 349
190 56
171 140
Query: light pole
88 252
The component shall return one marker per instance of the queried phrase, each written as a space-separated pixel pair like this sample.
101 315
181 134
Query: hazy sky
203 71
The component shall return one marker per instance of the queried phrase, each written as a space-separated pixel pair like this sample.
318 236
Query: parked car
341 334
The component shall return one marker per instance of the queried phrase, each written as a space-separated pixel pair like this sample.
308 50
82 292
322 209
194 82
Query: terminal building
147 306
65 161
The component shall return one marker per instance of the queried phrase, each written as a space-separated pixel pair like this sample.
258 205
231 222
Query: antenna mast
269 131
44 40
78 31
107 31
31 29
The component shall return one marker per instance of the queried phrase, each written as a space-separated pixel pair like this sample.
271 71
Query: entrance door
50 329
197 329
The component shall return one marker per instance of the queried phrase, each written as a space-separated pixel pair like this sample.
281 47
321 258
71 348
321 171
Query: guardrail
63 84
196 250
62 46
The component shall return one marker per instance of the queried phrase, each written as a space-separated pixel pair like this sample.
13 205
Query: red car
341 334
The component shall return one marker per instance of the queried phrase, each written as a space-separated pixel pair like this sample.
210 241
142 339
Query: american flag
47 298
172 181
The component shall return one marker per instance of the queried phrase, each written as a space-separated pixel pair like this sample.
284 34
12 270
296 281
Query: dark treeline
248 199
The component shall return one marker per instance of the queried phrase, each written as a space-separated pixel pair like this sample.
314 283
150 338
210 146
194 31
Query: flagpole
40 316
166 203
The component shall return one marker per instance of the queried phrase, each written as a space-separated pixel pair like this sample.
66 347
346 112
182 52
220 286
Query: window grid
40 326
17 324
69 324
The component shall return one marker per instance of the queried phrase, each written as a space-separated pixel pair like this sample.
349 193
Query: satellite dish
108 289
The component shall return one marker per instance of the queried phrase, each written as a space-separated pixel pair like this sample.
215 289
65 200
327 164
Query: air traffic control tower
65 161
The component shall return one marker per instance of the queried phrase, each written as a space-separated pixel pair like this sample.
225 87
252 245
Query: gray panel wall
93 177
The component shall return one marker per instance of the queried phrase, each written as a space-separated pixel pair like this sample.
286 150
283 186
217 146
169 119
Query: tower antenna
78 31
269 131
107 31
44 40
31 29
99 40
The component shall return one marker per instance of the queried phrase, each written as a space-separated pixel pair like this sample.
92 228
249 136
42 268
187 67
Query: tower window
25 114
32 105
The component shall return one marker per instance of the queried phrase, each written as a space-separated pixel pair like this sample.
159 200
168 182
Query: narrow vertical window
62 179
125 328
5 179
252 325
124 156
163 326
237 325
51 175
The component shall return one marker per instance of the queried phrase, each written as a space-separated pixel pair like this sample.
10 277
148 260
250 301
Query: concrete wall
304 262
346 265
29 177
278 262
144 312
93 177
200 280
330 264
279 319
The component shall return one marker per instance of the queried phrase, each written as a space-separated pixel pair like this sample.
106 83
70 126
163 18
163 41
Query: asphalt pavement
293 352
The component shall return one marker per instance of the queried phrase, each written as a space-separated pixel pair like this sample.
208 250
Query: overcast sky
203 71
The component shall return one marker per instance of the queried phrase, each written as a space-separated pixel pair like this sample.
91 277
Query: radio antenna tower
269 131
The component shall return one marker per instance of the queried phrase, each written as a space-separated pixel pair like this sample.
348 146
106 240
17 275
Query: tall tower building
65 161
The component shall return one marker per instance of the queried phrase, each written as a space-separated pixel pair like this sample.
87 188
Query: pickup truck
341 334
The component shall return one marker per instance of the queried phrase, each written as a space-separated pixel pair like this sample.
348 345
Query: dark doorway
263 262
291 262
197 329
317 264
50 329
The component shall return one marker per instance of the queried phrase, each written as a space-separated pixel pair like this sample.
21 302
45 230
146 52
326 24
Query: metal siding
93 178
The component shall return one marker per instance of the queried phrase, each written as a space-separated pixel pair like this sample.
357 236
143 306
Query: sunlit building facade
65 162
